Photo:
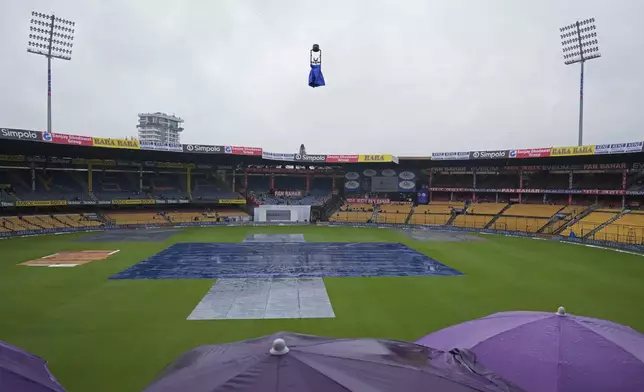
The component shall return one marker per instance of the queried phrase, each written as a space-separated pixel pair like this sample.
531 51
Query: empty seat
534 210
486 208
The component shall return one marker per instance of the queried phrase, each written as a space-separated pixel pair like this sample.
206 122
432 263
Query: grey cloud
402 77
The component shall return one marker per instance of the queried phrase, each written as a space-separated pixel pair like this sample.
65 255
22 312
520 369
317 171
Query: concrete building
159 128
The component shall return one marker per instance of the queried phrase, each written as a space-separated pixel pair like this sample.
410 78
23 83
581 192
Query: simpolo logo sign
489 154
310 158
202 148
19 134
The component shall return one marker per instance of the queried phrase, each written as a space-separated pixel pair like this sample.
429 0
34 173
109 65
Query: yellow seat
472 221
588 223
485 208
532 210
629 228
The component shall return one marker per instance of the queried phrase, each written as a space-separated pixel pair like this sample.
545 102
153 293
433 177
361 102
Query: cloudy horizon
406 78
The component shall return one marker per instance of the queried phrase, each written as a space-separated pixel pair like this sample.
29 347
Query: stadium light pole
53 38
579 44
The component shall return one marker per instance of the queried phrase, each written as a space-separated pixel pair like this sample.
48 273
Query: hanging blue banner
423 196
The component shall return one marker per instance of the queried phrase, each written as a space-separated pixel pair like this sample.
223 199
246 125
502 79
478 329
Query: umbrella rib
560 327
429 370
618 345
321 372
504 331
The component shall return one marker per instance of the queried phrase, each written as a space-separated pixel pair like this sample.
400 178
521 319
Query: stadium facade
62 182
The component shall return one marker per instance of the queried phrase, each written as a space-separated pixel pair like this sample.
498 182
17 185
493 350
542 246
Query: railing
428 219
351 216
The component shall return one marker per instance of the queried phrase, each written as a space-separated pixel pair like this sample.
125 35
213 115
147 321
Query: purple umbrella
289 362
552 352
21 371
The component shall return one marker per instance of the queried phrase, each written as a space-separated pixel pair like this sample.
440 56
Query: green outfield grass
101 335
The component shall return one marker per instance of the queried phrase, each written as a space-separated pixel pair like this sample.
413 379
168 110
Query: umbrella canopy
552 352
286 362
21 371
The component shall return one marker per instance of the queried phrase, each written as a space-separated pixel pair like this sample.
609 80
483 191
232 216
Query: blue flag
316 79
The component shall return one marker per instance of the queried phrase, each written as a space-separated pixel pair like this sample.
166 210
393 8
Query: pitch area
101 334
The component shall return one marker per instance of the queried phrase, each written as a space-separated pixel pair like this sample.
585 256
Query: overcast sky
403 77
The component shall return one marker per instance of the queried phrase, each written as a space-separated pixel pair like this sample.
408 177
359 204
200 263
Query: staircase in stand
374 215
552 220
608 222
577 218
30 222
54 217
497 216
450 221
411 213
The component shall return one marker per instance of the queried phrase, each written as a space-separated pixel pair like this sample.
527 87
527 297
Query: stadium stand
628 228
207 187
393 213
166 185
434 213
354 212
45 222
134 218
485 208
513 223
206 216
588 223
472 221
532 210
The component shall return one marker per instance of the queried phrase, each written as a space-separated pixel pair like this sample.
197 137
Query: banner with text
116 143
377 158
619 148
490 154
368 201
232 201
310 158
20 134
203 149
240 150
342 158
278 156
288 193
153 146
450 156
572 151
133 201
41 203
606 192
63 138
530 153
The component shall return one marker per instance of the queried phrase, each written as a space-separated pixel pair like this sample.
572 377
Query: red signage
369 201
63 138
533 153
342 158
237 150
603 192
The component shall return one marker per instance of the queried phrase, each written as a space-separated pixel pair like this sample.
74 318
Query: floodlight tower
51 37
579 42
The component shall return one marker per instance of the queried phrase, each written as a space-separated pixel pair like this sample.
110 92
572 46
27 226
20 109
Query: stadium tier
594 195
